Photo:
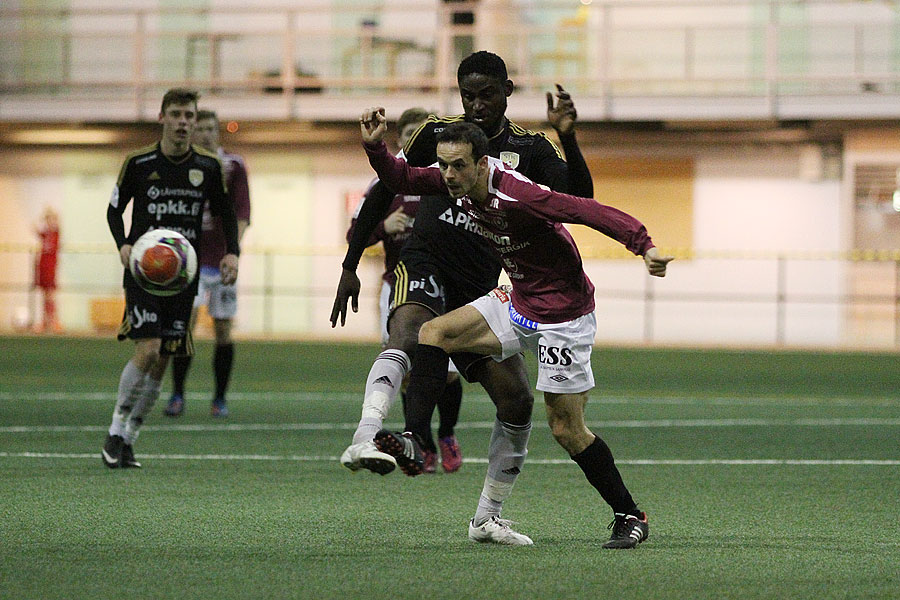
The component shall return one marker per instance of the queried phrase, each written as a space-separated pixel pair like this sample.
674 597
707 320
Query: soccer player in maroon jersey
549 310
446 264
220 299
167 185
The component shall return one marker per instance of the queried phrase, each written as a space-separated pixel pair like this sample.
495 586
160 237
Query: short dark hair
179 96
411 115
465 133
203 114
483 63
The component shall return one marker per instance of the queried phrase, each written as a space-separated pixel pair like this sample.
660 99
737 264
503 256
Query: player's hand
348 287
656 264
396 222
228 267
562 115
373 125
125 254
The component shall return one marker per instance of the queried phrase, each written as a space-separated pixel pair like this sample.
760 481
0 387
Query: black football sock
180 367
223 357
426 384
600 469
448 408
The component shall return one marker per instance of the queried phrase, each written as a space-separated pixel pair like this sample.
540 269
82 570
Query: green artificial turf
257 506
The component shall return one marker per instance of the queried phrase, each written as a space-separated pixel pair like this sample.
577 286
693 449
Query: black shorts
419 279
168 318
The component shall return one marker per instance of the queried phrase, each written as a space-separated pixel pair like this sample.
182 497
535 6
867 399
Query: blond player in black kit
167 185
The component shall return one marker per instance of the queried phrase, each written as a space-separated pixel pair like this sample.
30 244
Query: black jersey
170 194
444 230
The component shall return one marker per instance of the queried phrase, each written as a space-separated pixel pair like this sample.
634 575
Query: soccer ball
163 262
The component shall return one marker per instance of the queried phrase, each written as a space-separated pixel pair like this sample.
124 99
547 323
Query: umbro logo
154 176
513 471
385 380
559 378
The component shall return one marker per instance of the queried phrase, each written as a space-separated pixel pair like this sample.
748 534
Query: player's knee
223 331
514 405
518 410
146 354
402 339
403 327
561 428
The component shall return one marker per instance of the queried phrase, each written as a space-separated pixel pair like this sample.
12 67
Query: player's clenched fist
373 125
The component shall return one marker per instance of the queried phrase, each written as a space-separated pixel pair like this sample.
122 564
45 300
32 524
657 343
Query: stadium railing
805 299
634 60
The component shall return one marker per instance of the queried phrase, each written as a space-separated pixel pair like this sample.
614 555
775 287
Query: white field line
596 397
636 424
313 458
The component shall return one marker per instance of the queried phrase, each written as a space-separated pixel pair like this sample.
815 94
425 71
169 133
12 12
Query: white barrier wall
748 200
749 206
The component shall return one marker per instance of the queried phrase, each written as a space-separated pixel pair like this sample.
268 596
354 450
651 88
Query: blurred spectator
45 269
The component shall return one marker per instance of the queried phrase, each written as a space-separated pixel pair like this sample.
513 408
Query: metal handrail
600 71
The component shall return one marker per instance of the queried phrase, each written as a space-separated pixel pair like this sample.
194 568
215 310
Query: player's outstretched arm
348 289
656 263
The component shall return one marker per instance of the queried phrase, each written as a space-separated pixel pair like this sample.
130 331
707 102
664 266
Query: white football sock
131 387
509 446
382 386
141 409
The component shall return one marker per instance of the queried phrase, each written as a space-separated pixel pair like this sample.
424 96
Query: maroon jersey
392 243
212 247
523 222
45 266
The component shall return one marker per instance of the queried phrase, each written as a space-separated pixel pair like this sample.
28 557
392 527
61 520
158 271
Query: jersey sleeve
400 176
565 208
240 190
221 206
579 176
548 166
122 194
378 233
370 214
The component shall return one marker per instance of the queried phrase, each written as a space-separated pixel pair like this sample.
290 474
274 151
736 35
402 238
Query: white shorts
220 300
384 306
563 350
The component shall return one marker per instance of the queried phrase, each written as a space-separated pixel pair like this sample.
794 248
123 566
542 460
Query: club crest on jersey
195 176
510 159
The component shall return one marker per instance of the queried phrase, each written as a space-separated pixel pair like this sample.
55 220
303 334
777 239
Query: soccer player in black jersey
167 185
447 263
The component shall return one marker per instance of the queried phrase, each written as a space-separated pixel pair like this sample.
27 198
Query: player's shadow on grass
669 541
745 542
